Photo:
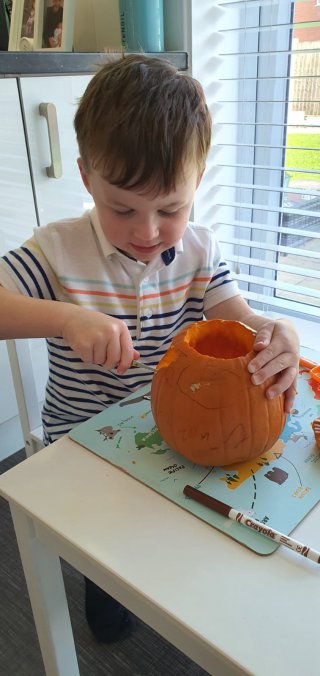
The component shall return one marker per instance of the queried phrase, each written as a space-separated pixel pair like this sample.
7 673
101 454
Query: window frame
260 151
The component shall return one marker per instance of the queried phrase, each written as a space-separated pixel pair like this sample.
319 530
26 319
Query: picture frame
22 25
54 25
4 24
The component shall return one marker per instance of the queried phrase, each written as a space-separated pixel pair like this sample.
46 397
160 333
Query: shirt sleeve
222 286
27 271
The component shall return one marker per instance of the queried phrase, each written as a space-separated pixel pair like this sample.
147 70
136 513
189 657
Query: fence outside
305 93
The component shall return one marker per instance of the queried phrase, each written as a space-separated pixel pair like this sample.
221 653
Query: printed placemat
278 488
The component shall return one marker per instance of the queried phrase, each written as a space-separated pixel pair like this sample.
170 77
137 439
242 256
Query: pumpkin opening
220 340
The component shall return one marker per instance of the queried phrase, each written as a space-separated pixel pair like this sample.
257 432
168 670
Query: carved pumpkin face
203 401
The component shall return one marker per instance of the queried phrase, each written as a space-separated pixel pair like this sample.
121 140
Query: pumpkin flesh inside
217 342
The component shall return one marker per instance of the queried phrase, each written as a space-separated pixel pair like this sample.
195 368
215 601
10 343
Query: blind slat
242 3
269 265
266 53
270 188
255 206
287 125
267 28
282 303
310 234
237 165
266 246
268 146
276 285
269 52
263 78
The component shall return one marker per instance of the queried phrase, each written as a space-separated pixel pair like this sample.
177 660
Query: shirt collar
106 247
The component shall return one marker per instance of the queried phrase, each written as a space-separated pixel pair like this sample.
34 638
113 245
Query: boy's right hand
100 339
97 338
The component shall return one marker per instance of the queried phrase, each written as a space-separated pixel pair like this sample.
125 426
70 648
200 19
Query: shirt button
148 314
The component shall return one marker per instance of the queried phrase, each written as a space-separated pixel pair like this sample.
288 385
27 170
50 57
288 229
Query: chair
27 390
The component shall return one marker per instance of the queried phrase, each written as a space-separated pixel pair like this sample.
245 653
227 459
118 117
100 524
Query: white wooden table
229 609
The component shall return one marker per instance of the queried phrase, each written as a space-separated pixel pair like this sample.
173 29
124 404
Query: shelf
27 64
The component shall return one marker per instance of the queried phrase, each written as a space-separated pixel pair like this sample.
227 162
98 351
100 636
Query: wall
305 12
97 26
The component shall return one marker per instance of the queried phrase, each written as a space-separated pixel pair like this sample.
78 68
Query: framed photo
22 25
5 16
54 24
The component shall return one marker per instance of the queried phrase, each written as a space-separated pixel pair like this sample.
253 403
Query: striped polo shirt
72 261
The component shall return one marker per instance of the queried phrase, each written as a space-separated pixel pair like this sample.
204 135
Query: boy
119 282
53 17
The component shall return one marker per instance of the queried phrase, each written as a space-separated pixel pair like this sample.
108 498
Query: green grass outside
303 159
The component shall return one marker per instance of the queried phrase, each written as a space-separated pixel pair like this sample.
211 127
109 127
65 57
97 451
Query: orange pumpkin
203 401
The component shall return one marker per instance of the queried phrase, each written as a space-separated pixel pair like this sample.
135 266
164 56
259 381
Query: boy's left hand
277 345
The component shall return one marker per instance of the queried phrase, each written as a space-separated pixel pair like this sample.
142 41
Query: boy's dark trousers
108 620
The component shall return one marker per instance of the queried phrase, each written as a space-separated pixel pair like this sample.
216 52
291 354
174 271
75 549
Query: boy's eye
168 214
128 212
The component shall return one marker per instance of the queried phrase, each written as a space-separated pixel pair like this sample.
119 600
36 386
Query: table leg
45 584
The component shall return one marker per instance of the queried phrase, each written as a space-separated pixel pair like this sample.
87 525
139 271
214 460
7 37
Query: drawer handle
48 110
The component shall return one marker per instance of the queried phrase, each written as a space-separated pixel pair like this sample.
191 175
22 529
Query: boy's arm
96 337
25 317
276 345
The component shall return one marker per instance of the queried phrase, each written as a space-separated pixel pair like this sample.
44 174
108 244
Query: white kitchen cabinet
18 214
29 197
18 218
64 196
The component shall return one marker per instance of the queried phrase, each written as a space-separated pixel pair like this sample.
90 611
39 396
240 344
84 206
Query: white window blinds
259 62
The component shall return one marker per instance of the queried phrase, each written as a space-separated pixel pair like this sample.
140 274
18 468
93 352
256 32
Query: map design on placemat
277 488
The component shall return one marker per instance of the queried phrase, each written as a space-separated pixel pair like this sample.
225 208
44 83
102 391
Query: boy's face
141 224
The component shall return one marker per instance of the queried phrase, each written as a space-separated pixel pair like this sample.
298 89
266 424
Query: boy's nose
147 230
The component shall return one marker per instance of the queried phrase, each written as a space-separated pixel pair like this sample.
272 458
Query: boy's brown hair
140 120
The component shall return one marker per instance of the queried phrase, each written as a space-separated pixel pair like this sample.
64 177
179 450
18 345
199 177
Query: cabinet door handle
48 110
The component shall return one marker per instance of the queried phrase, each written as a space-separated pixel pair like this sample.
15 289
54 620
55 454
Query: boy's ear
84 174
200 177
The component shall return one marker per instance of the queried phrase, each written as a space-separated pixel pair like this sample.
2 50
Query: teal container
141 23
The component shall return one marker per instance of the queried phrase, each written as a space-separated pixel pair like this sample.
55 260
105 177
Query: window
259 61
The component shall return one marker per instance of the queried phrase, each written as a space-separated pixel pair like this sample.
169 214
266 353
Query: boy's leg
108 620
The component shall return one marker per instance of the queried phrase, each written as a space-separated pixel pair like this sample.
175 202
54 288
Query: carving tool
140 365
